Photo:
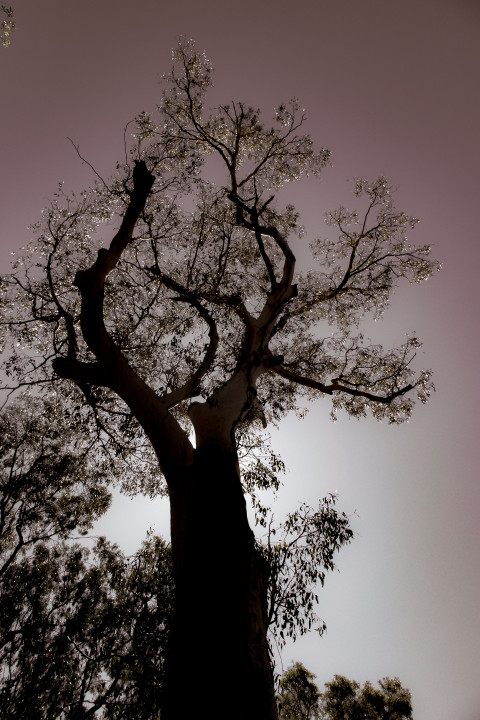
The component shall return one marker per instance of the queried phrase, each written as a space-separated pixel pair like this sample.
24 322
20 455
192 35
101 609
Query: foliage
79 629
299 552
85 633
7 25
50 484
298 695
344 700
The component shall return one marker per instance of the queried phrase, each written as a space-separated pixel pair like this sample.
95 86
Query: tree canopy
342 699
199 276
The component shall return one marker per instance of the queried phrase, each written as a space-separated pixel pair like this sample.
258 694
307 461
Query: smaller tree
299 695
80 630
84 633
340 700
344 700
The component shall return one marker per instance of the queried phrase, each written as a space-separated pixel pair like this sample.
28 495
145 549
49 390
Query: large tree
192 320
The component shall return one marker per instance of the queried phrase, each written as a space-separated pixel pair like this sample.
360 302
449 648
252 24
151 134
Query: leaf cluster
300 551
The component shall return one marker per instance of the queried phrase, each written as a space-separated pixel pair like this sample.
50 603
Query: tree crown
196 301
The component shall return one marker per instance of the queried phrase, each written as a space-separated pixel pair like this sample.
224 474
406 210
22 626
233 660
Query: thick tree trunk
219 666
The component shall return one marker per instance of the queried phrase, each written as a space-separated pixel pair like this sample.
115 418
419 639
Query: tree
299 695
192 320
300 699
84 633
343 700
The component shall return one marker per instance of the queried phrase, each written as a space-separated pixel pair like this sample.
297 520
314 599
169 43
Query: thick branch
80 372
112 369
91 282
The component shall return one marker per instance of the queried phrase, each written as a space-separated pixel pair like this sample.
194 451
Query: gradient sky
389 87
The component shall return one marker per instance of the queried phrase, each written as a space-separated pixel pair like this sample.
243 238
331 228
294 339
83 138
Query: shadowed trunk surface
219 661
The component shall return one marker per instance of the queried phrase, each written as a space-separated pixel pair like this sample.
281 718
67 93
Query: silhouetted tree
299 695
85 633
344 700
300 699
80 630
193 319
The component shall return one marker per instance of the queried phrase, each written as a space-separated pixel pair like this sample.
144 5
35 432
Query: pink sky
389 87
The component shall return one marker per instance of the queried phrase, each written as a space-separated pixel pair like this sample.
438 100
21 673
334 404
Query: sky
389 87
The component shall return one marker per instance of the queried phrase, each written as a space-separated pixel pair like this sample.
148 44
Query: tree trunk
219 665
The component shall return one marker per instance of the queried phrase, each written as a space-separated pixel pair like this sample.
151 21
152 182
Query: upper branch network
198 286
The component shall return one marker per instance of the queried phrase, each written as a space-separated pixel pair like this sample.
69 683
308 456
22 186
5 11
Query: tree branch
190 387
335 386
91 282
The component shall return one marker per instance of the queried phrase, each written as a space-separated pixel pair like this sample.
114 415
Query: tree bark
219 664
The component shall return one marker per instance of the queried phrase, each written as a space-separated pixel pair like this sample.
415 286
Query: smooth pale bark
219 665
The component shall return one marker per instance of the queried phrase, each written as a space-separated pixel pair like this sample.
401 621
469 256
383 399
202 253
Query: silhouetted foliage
85 633
299 552
50 482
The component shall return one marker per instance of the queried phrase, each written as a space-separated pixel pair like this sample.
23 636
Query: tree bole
219 654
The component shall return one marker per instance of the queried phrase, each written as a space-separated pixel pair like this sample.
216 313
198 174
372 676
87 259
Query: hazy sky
389 87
